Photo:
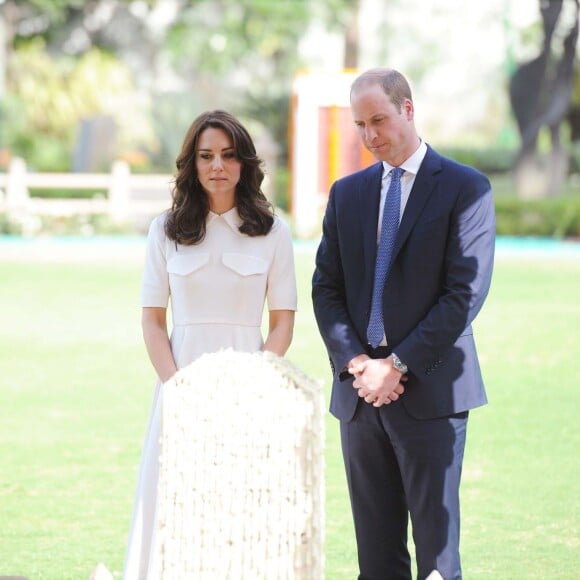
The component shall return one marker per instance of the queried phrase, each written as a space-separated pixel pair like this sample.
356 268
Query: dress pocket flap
185 264
244 264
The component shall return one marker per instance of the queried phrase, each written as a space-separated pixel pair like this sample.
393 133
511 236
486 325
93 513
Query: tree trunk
351 40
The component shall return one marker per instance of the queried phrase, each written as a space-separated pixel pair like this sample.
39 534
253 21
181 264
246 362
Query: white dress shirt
411 167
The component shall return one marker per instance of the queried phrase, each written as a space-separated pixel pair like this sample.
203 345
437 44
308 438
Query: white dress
218 289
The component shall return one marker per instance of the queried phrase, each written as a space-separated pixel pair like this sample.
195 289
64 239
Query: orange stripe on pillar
333 145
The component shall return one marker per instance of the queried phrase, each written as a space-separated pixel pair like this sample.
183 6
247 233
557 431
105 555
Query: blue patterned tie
389 227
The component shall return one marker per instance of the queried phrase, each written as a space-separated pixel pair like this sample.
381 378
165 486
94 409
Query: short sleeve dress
217 290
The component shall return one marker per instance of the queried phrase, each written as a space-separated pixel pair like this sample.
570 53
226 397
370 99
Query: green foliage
171 115
73 225
52 8
21 136
489 161
9 226
241 56
66 193
256 37
575 157
282 188
49 96
229 54
554 217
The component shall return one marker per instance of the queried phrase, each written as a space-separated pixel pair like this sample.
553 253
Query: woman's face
218 168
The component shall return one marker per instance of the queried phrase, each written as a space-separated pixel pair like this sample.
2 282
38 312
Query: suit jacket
439 278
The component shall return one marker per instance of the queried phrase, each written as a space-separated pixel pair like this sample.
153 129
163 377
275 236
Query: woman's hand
154 324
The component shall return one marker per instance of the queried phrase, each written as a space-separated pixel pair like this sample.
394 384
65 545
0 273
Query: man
396 318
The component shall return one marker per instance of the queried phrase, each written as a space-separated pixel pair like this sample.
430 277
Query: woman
220 253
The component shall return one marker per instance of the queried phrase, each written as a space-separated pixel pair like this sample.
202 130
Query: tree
186 55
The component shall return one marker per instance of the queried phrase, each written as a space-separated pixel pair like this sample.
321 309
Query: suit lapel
425 183
369 196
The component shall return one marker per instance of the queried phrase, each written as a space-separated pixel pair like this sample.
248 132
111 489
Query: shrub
554 217
488 161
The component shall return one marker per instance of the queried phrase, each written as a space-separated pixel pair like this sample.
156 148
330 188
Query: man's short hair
393 83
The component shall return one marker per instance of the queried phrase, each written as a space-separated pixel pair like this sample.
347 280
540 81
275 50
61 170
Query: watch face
399 365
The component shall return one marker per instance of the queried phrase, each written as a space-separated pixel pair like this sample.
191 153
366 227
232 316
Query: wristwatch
399 364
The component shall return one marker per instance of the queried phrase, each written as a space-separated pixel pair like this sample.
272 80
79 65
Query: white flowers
241 484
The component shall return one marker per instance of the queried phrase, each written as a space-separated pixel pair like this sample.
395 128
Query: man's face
387 132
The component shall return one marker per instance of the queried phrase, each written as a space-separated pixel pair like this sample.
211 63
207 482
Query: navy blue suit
439 278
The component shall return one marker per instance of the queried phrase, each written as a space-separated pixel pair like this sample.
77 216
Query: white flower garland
241 483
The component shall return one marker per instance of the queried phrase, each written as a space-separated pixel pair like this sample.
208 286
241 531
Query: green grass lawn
76 385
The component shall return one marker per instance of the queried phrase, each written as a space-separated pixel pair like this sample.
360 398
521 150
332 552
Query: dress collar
231 217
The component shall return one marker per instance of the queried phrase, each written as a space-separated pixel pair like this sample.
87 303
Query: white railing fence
123 196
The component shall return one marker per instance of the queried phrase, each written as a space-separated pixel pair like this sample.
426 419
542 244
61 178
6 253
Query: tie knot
396 173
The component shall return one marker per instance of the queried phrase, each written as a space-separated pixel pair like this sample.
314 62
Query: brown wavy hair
186 220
